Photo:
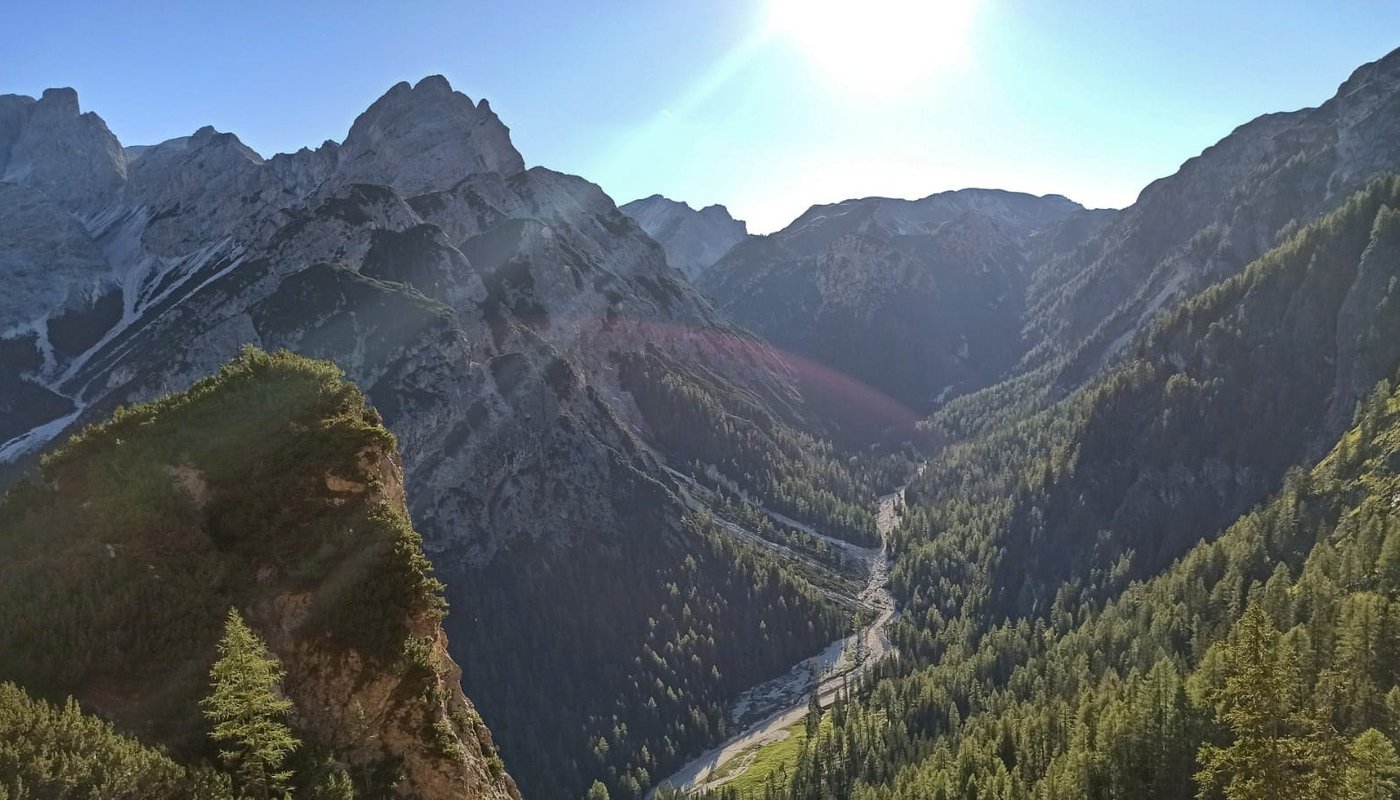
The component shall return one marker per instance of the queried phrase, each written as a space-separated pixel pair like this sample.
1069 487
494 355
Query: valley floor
772 708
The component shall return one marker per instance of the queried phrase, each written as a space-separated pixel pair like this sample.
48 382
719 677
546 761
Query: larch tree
1371 775
1256 705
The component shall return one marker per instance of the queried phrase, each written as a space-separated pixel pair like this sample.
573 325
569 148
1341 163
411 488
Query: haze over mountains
645 449
693 240
920 299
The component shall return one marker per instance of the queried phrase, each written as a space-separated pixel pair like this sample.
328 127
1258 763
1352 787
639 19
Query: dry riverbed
767 711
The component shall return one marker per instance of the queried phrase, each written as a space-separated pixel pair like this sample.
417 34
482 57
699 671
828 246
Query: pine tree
247 710
598 791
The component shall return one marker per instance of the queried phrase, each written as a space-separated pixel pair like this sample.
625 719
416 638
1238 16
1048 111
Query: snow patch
35 438
131 313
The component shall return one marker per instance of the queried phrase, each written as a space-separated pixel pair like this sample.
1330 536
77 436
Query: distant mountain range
921 299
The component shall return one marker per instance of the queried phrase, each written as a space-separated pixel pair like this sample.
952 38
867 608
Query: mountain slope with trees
1150 553
1260 665
268 492
1066 501
1076 623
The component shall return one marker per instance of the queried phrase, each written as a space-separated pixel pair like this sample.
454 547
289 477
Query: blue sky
714 101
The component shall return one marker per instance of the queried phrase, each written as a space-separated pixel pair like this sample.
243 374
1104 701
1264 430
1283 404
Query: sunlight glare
876 46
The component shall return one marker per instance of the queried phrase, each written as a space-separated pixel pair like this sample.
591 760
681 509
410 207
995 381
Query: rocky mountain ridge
693 240
203 220
920 299
485 309
1217 213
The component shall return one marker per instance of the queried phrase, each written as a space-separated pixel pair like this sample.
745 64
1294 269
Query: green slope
1017 682
270 488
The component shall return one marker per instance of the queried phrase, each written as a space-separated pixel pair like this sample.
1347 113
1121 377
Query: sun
876 46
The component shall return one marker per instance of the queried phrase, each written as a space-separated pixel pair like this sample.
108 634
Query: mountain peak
436 84
208 136
51 146
658 201
427 137
62 99
693 240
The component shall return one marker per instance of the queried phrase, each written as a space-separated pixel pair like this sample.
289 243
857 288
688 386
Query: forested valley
400 468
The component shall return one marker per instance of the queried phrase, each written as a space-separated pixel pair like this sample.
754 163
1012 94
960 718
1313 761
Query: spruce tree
247 710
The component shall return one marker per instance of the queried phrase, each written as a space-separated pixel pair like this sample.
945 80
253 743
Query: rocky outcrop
414 716
270 488
424 138
50 145
693 240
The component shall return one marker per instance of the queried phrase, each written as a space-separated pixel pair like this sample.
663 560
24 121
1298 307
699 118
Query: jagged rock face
209 246
1220 211
482 307
49 263
197 184
424 138
70 156
693 240
919 299
59 296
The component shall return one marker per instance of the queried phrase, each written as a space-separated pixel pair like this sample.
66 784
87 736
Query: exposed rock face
425 137
336 692
1220 211
920 299
48 263
483 308
49 145
693 240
